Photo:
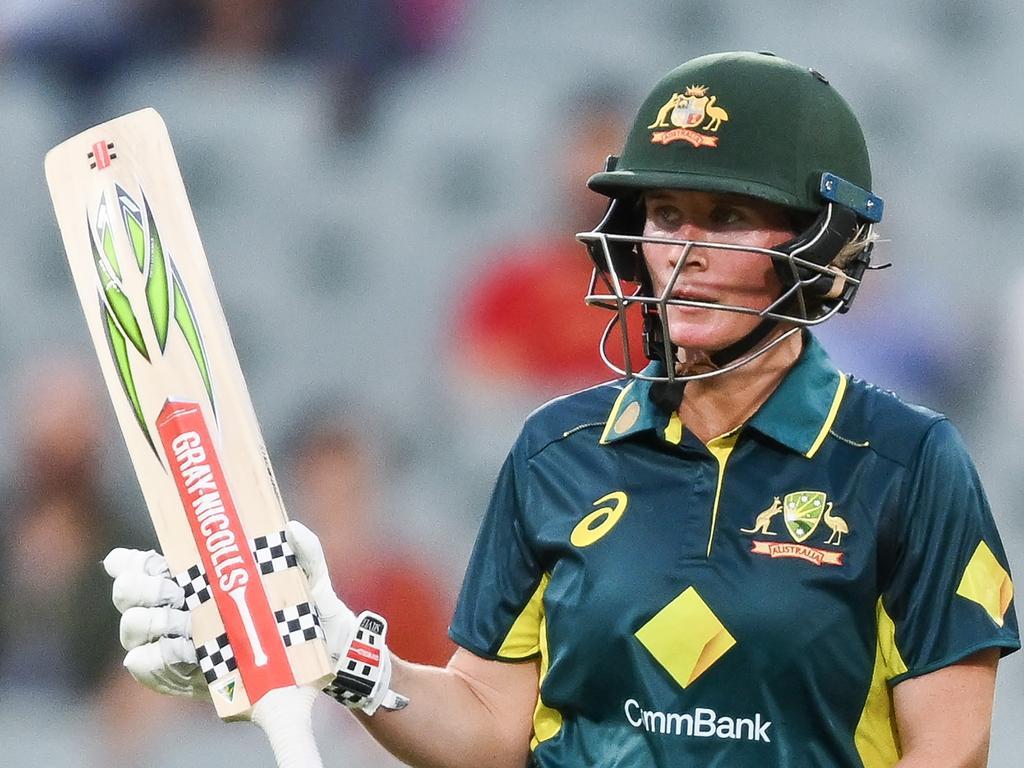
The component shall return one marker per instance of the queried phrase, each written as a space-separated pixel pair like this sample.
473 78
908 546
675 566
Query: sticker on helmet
685 114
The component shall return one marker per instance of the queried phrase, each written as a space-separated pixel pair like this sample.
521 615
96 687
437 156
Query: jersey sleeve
499 609
949 592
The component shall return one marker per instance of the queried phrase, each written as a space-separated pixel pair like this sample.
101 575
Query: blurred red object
336 471
525 321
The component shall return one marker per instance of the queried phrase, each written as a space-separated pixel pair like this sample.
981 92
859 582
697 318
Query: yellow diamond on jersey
987 583
802 512
686 637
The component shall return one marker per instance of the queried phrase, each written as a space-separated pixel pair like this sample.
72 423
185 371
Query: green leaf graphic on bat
151 261
119 351
186 319
111 286
164 290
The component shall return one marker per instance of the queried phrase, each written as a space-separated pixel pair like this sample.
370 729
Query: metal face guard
802 303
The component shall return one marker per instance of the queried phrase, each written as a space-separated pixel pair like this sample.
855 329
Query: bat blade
184 409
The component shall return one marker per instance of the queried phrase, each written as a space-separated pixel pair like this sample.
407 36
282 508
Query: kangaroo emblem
836 523
662 121
764 519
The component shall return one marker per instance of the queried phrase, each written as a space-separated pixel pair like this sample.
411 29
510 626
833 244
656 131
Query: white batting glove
356 643
155 629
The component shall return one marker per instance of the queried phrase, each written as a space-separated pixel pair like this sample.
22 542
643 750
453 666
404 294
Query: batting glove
155 629
357 645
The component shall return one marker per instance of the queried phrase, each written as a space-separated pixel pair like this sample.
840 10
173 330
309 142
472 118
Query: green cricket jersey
745 603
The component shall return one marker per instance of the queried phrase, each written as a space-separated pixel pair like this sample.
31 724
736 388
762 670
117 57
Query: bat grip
285 715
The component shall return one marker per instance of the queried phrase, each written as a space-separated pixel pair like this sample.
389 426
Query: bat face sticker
164 291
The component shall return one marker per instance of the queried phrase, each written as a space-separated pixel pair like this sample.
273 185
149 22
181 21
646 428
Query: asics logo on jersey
702 723
599 522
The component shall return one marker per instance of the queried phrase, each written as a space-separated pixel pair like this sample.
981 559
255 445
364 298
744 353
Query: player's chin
706 330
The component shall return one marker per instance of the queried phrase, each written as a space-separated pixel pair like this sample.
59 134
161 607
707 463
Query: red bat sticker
224 549
101 155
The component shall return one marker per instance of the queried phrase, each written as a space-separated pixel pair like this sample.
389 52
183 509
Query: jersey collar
798 414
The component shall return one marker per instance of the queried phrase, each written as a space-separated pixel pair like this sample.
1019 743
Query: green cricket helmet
751 124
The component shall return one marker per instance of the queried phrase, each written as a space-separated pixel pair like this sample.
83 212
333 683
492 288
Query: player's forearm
931 761
449 722
972 752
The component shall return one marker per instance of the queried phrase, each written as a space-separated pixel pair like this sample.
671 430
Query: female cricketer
734 554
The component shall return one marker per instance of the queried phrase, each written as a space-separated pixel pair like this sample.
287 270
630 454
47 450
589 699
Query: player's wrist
364 666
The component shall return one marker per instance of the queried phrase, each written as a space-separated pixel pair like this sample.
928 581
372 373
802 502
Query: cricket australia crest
802 512
684 116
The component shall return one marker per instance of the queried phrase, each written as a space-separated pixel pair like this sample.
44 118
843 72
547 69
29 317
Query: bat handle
285 715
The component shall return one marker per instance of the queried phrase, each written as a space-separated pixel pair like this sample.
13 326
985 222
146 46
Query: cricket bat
187 418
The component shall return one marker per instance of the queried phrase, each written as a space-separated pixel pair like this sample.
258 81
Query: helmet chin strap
668 395
734 351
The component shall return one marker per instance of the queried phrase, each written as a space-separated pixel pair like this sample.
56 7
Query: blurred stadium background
359 169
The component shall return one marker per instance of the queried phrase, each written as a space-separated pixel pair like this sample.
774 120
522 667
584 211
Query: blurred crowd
61 514
431 298
348 44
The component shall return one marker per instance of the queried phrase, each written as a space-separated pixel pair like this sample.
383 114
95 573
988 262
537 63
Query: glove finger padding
144 625
134 589
121 560
168 666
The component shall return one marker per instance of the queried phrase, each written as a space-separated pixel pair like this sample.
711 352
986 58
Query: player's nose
689 250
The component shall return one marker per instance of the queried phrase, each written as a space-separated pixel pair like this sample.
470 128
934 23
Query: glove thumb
308 550
310 555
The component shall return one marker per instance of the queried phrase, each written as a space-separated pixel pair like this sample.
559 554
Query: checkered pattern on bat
356 678
299 624
196 586
272 553
216 658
